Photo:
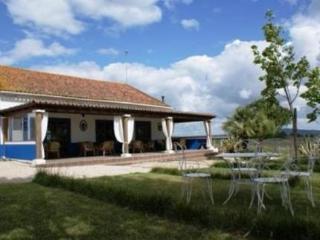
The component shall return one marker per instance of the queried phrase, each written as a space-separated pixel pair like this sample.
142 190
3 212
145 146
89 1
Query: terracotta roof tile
40 83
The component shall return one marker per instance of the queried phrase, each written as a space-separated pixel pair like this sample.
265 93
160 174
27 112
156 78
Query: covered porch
81 132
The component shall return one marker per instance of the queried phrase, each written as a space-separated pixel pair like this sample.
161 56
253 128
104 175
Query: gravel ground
12 171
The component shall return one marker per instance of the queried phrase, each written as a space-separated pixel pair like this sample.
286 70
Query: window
143 130
104 130
21 128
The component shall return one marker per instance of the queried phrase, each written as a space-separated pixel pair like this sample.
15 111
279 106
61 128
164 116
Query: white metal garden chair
238 168
292 170
259 188
190 173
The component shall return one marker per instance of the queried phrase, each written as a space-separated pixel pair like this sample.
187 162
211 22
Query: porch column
208 129
41 125
167 128
123 130
125 151
4 129
1 131
3 134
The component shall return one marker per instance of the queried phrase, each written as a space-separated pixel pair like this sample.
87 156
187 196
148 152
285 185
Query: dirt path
11 171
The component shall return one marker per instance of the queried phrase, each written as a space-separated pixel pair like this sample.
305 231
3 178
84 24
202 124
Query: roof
105 108
16 80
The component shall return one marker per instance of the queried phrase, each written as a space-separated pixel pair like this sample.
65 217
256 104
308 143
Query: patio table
239 167
247 155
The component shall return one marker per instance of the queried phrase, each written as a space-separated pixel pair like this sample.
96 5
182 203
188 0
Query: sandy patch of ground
112 170
11 171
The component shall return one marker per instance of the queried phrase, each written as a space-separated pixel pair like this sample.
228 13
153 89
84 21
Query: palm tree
257 120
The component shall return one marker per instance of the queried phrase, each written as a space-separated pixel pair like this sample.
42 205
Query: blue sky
163 42
195 52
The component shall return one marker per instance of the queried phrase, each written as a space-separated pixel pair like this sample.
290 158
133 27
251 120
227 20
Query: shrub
169 171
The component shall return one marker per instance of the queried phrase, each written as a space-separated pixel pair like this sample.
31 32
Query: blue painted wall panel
195 143
19 151
1 151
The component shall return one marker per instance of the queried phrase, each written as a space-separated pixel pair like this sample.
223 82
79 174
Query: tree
312 95
273 111
282 72
260 119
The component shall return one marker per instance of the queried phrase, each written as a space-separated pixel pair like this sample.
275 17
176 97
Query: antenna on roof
126 52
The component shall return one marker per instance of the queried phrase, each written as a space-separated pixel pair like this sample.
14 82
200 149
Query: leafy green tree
282 72
259 120
280 115
312 95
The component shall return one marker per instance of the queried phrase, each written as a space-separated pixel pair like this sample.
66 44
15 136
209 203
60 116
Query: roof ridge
146 94
62 75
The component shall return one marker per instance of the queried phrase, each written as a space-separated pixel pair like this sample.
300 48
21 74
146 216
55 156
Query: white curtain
1 131
118 128
207 128
119 131
44 128
130 129
167 128
164 127
170 131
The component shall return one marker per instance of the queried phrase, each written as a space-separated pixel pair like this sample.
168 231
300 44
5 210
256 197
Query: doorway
59 130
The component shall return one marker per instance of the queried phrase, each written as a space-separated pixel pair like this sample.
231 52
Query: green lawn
149 206
31 211
160 194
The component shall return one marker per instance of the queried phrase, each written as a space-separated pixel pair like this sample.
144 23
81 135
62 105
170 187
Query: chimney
162 99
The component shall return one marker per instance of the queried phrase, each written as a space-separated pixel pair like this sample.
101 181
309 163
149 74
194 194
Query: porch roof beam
177 116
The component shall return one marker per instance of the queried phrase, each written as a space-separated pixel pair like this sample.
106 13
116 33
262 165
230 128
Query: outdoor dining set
53 149
249 168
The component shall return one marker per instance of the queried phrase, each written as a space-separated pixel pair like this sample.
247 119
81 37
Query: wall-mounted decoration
83 125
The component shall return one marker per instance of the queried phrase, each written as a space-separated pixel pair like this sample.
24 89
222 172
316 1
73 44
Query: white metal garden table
243 164
258 182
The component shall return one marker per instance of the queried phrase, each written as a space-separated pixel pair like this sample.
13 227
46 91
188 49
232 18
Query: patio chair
149 146
191 173
292 170
53 148
239 168
87 147
182 142
259 184
107 147
137 146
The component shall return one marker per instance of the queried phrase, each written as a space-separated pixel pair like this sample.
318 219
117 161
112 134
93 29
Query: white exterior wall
90 134
76 134
6 102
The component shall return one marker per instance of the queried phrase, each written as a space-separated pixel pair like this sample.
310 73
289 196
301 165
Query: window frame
26 128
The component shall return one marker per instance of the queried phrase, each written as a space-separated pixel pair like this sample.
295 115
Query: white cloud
197 83
245 93
30 47
108 51
63 16
190 24
53 17
215 84
170 4
304 30
291 2
127 13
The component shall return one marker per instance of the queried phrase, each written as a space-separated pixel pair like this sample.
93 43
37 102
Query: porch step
136 158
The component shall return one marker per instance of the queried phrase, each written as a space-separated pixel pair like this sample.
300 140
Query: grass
31 211
160 194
